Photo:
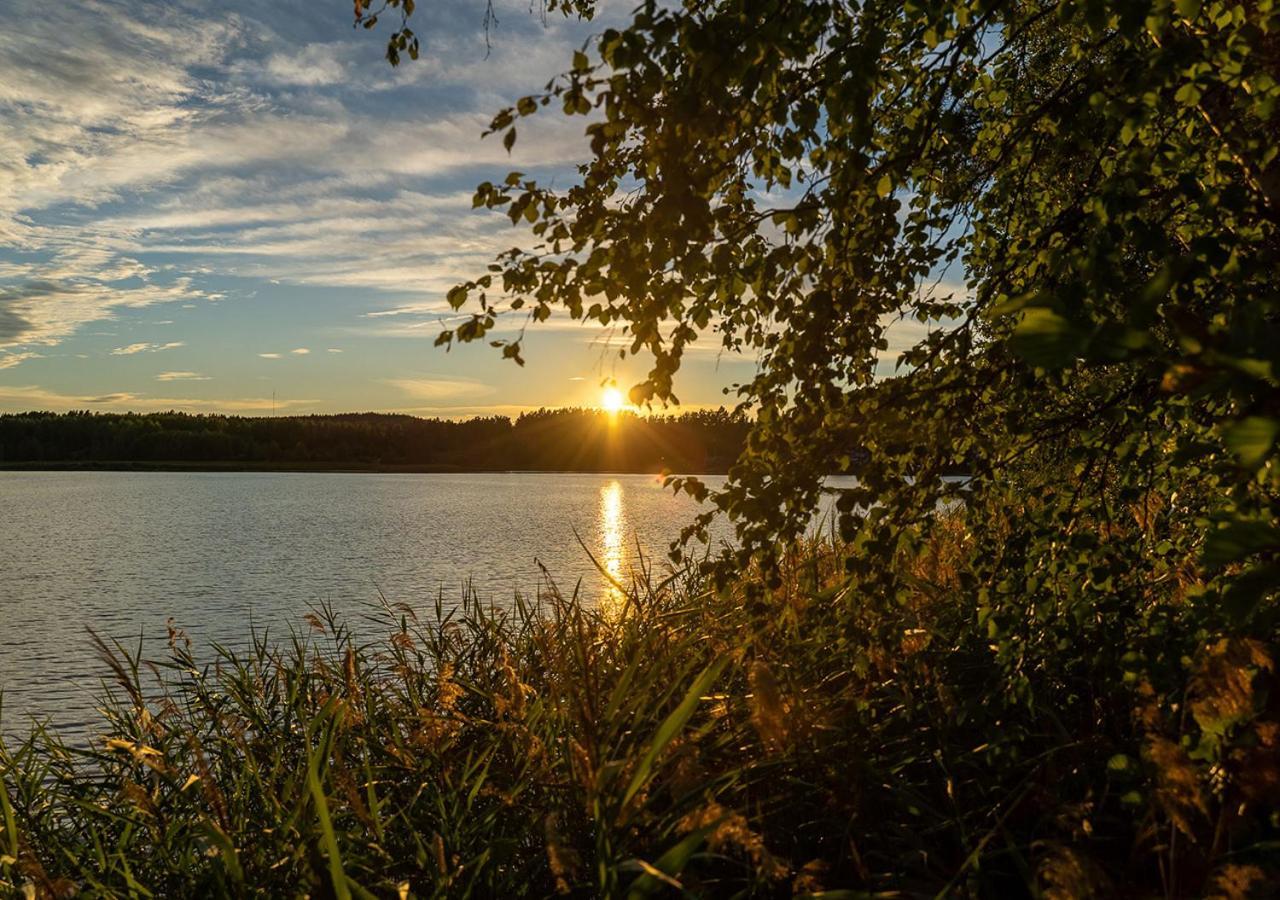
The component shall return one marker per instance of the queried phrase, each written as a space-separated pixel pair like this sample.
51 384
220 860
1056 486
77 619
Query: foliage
681 740
803 180
561 440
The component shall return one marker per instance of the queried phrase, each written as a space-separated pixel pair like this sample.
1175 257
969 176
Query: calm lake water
219 553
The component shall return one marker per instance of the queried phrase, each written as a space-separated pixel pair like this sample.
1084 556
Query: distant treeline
575 440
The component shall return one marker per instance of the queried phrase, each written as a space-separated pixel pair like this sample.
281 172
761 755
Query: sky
240 207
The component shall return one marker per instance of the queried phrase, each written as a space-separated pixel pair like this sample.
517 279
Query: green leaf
9 822
226 849
1252 438
1120 763
329 838
672 726
1236 540
669 865
1046 339
1248 589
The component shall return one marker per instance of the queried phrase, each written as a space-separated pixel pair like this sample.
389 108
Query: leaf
10 822
1241 598
1236 540
226 849
328 837
1046 339
672 726
1252 438
653 871
509 139
884 187
667 866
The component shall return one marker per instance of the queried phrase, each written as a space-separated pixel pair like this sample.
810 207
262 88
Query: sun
611 400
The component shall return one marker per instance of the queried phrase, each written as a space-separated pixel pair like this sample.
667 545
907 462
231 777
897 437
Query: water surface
219 553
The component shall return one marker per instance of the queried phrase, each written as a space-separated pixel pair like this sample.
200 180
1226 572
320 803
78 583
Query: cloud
13 326
27 397
300 351
55 301
440 387
467 412
146 348
145 151
181 376
333 350
11 360
312 66
269 355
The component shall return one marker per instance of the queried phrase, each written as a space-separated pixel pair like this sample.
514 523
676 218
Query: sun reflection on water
611 538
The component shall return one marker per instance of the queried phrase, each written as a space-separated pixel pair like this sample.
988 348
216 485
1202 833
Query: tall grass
691 740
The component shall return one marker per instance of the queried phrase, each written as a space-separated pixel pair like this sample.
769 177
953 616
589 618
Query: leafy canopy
1067 209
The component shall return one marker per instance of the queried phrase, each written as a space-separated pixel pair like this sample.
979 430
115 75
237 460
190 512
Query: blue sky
205 204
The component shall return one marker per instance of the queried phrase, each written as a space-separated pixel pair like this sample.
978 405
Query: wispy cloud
181 376
440 387
54 299
300 351
311 66
12 360
269 355
144 347
35 397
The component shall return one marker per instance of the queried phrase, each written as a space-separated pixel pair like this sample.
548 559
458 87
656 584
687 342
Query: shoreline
321 468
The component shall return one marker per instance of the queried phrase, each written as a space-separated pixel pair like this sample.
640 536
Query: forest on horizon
571 440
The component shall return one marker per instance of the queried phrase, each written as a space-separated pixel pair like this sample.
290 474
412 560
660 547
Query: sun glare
611 400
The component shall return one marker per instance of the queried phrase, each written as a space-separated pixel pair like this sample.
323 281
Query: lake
221 553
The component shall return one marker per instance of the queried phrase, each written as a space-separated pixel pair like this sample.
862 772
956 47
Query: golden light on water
612 521
611 400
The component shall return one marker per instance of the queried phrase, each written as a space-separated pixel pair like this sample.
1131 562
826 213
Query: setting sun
611 400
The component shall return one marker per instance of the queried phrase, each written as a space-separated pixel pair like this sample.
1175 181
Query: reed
813 742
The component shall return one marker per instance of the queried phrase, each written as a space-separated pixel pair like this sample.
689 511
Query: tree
794 179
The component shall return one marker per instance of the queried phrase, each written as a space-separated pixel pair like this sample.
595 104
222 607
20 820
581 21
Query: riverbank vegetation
562 440
685 740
